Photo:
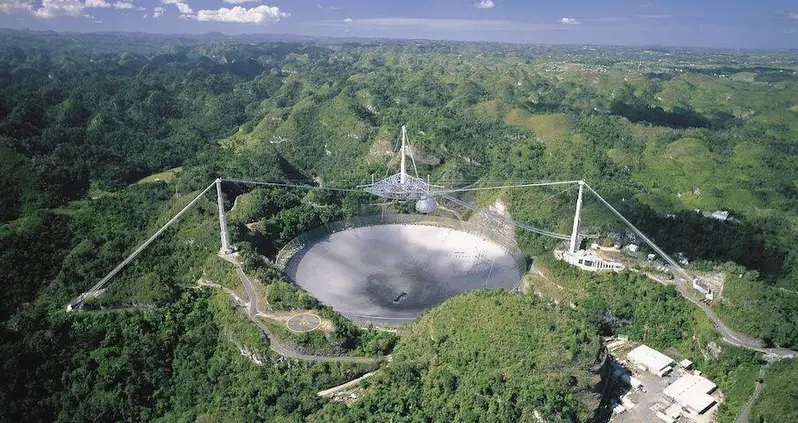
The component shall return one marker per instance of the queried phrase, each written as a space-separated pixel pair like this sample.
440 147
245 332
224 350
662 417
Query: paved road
728 335
280 347
253 299
351 384
744 413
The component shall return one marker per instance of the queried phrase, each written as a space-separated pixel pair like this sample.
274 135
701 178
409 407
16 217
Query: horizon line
400 39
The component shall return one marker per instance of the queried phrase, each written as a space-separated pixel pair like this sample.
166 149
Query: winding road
745 412
730 336
275 343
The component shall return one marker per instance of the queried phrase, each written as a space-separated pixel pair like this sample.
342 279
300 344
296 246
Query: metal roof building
650 360
692 392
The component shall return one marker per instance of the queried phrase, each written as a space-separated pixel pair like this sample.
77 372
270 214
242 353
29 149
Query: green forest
103 140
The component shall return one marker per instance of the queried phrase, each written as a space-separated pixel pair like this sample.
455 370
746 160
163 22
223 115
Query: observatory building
651 360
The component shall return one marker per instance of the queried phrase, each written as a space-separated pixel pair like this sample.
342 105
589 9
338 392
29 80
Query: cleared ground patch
303 322
548 127
165 176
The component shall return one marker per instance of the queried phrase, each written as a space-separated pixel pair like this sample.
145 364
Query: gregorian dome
427 205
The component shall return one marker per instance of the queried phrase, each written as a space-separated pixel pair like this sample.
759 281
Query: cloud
569 21
348 20
792 15
239 1
53 8
8 6
484 4
330 7
240 14
653 16
123 5
50 8
184 8
157 12
96 4
647 4
171 1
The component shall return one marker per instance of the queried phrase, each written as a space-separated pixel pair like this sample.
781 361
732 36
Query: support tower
226 249
575 234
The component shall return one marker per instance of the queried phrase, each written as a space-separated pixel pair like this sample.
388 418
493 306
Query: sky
771 24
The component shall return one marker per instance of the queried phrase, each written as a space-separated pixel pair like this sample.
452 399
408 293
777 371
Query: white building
630 380
625 377
633 248
720 215
670 414
587 260
692 392
650 360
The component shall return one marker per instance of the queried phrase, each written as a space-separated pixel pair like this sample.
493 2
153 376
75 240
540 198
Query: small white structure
633 248
651 257
686 364
692 392
630 380
587 260
720 215
627 402
670 414
698 286
651 360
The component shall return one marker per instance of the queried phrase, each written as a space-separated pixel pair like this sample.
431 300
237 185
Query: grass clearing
165 176
490 110
548 127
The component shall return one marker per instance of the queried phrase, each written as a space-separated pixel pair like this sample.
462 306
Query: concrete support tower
403 171
226 249
575 233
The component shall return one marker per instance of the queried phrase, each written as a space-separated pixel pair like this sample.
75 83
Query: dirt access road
276 345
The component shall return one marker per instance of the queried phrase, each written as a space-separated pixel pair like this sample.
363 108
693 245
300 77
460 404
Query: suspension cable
288 185
648 241
138 250
529 185
497 216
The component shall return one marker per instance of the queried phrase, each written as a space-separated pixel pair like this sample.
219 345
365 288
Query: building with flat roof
692 392
650 360
587 260
670 414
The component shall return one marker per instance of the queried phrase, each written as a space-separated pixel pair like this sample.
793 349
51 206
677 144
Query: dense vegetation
776 404
633 305
181 362
486 356
84 118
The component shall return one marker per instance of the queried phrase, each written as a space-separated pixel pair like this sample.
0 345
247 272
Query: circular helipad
303 322
389 274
